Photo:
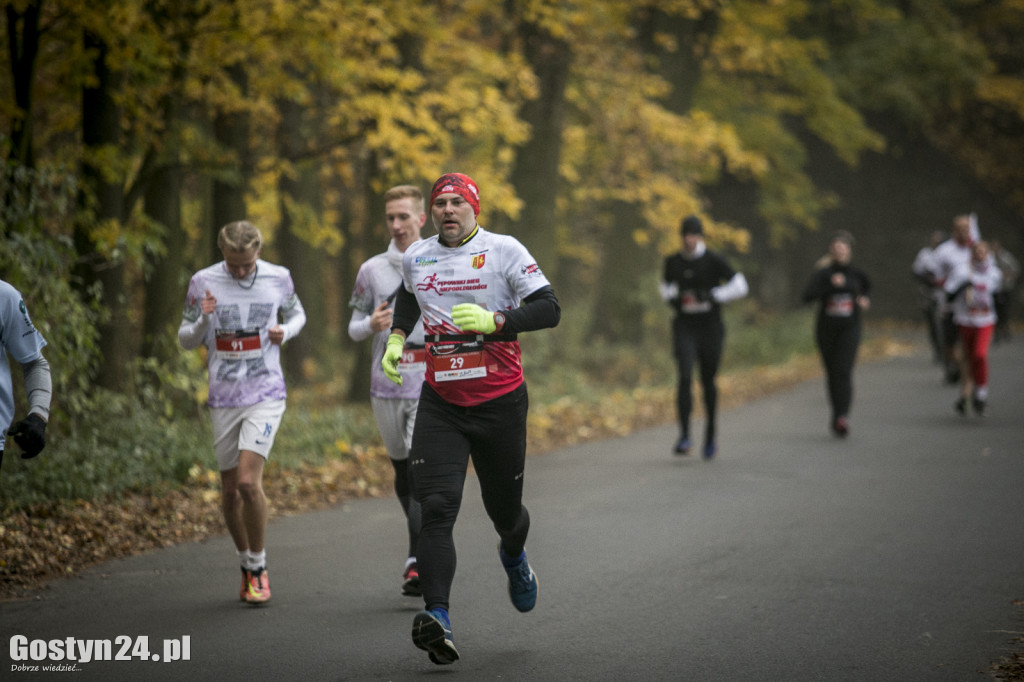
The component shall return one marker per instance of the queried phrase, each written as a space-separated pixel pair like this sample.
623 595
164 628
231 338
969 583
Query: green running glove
392 356
471 317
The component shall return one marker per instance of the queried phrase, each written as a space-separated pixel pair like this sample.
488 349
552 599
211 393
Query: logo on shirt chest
433 282
429 283
478 260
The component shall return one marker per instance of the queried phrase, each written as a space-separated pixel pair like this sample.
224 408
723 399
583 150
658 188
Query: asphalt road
895 554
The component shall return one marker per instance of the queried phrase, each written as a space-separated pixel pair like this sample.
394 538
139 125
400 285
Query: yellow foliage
1003 91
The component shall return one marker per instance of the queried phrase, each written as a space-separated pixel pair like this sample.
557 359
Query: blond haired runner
233 308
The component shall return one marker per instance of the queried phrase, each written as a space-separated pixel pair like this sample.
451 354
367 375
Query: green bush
314 430
754 338
120 447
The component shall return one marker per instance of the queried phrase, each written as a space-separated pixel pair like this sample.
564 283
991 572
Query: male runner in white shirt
394 405
232 308
947 257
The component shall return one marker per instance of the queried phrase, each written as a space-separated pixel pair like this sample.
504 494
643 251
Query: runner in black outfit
695 284
842 291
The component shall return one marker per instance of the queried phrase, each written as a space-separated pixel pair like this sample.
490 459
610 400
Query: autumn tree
592 127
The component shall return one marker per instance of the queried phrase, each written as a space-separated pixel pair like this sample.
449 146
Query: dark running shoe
522 582
710 449
979 406
432 632
683 446
961 406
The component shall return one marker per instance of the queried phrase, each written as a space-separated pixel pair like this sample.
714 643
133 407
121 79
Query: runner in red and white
493 271
475 291
232 308
970 289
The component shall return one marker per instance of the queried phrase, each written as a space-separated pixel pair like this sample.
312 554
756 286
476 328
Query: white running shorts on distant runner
245 428
396 418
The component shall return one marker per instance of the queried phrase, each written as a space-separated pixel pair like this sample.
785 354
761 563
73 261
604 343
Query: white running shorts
245 428
396 418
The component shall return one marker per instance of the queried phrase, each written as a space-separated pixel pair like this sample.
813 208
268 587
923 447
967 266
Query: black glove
30 435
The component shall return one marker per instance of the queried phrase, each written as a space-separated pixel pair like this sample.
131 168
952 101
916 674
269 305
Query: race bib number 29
458 366
239 344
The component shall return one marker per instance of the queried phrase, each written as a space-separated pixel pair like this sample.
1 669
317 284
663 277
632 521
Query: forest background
131 131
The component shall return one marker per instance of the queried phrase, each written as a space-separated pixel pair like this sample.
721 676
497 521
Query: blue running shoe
710 449
522 582
432 632
683 446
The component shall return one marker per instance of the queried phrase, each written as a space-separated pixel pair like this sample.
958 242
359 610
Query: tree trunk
361 248
535 173
102 201
231 130
625 283
299 195
681 66
23 47
165 286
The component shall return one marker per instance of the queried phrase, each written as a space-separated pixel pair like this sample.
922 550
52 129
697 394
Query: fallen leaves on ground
1010 667
59 539
62 538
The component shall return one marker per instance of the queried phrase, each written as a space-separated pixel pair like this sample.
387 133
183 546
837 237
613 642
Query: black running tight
445 437
699 342
838 341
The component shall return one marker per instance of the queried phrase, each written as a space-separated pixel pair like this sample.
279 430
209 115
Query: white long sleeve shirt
244 366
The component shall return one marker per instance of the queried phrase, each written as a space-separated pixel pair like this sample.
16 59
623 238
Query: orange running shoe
258 587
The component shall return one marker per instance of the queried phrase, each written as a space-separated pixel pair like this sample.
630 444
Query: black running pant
838 341
403 490
699 341
444 438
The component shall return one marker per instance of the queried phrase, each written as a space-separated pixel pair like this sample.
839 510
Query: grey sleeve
38 386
